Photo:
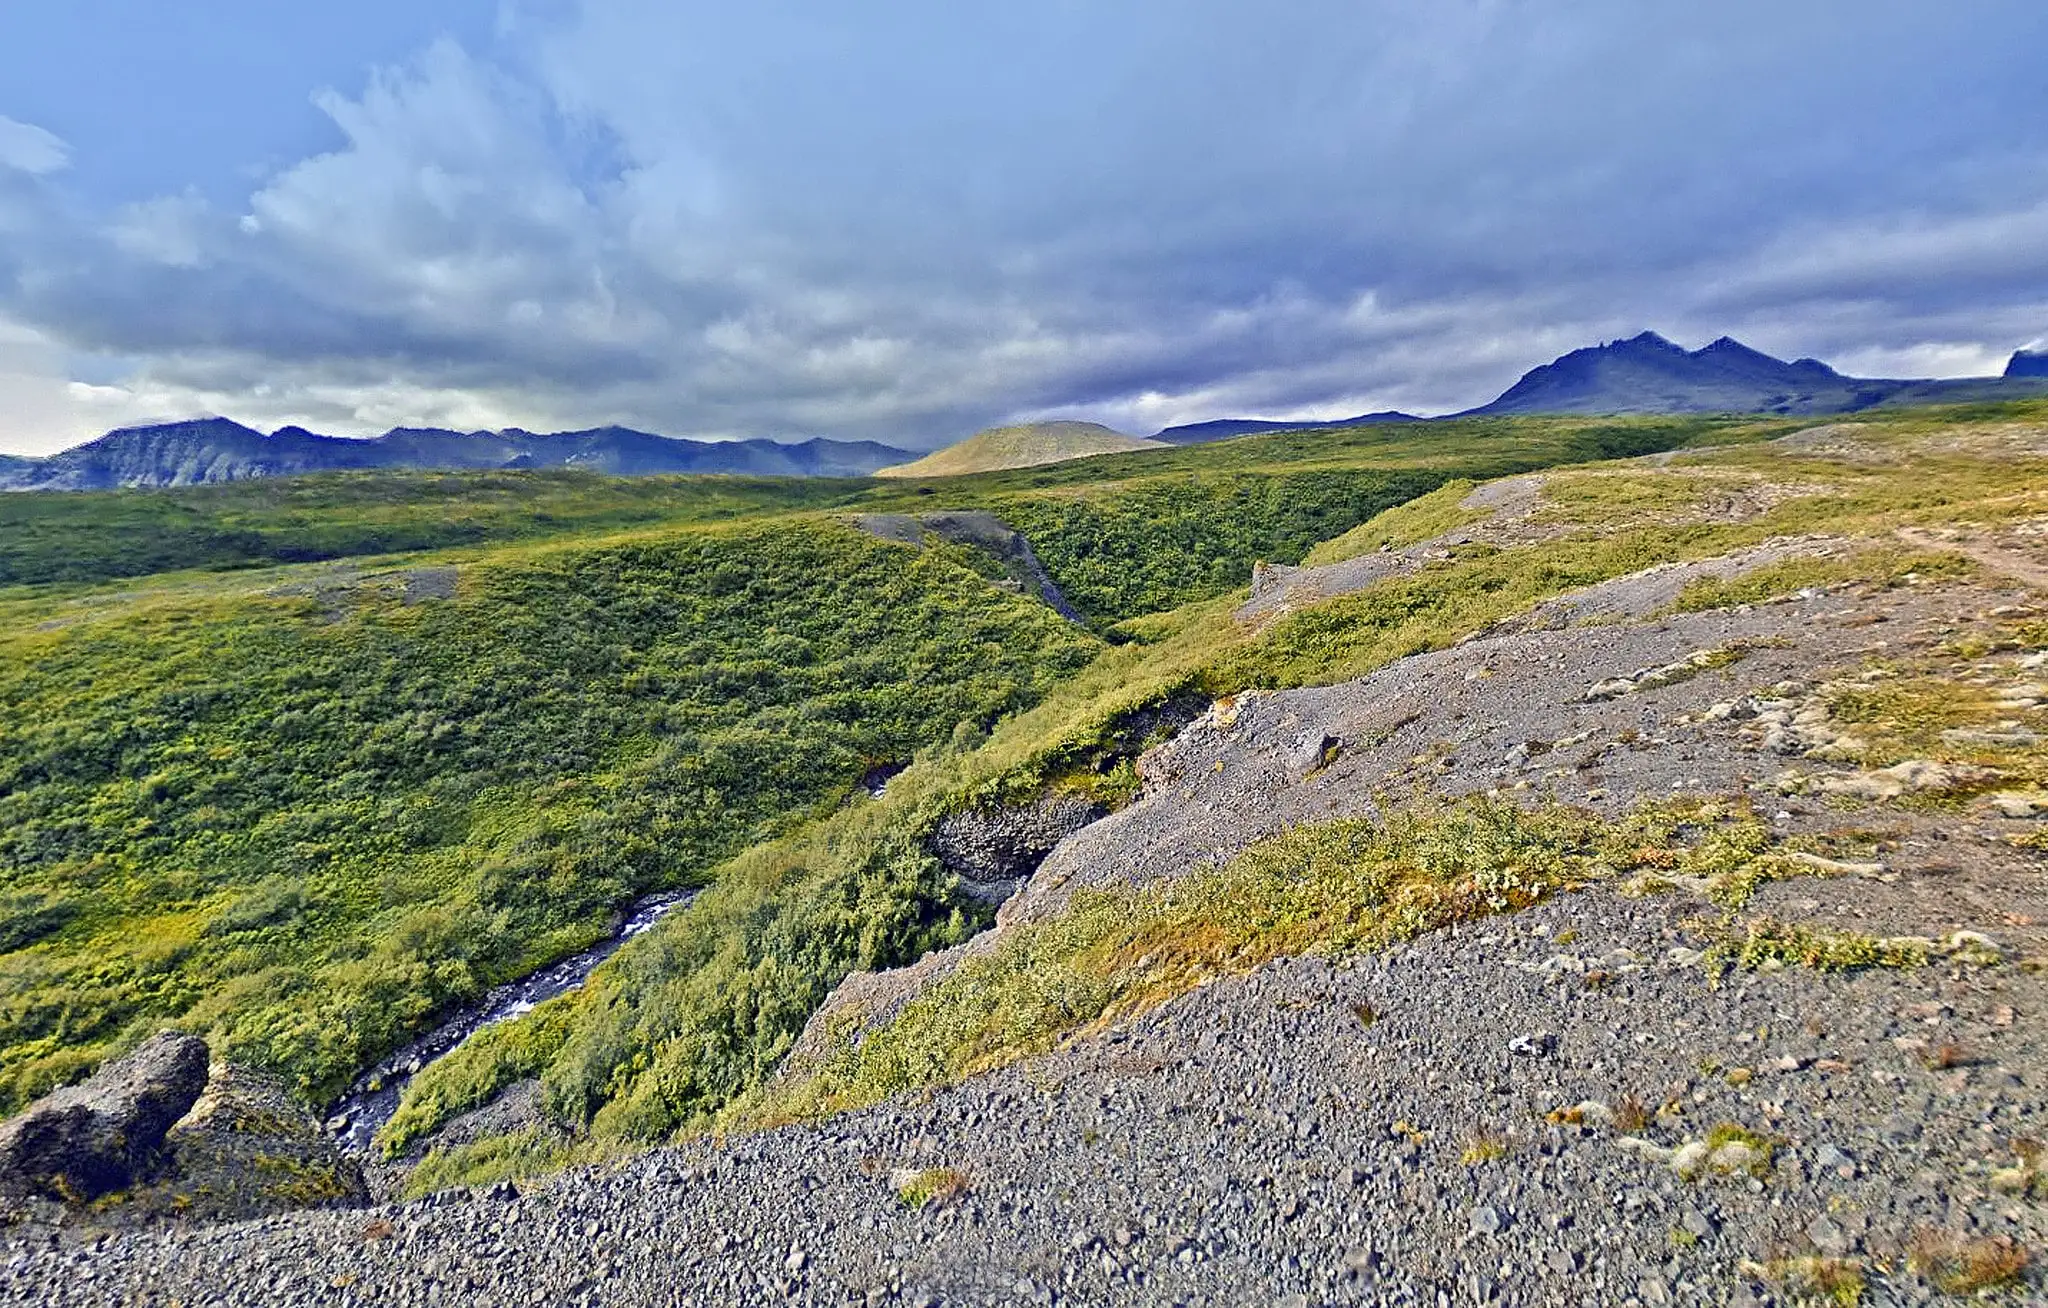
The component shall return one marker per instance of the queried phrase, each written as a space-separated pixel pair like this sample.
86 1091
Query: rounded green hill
1022 446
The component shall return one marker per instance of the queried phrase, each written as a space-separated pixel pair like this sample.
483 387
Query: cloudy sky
906 219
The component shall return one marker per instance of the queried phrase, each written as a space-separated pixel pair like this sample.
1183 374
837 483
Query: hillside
1449 880
506 705
1025 446
215 450
1217 429
1122 534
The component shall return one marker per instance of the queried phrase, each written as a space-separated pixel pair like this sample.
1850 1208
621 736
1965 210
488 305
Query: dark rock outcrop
101 1135
993 852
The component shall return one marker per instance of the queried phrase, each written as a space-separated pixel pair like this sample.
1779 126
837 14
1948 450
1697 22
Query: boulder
102 1134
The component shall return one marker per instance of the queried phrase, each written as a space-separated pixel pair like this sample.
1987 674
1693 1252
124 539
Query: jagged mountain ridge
213 450
1649 374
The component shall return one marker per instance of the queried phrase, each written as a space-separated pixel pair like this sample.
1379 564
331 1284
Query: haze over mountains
218 450
1644 374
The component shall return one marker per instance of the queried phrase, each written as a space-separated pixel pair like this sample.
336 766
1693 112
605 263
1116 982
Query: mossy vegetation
1198 651
305 824
1877 565
1763 942
1965 1267
1335 887
1812 1280
1969 707
305 808
931 1185
528 1152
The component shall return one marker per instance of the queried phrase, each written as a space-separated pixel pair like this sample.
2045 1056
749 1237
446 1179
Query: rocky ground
1388 1132
1576 1104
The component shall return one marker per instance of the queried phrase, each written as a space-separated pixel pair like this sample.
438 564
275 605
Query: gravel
1255 1140
1519 1112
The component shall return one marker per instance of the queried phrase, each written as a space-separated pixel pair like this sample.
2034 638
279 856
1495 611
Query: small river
370 1102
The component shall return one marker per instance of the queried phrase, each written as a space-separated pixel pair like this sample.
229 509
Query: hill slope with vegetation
309 805
306 809
1456 875
1025 446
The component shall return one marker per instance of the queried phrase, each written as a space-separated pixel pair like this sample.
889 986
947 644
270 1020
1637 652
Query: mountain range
217 450
1648 374
1642 374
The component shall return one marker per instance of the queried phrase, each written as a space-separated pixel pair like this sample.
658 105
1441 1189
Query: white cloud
910 221
39 412
29 149
169 230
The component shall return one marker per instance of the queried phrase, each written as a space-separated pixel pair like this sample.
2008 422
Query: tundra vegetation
300 765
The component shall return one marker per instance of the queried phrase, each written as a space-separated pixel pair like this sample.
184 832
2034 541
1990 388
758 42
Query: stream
369 1103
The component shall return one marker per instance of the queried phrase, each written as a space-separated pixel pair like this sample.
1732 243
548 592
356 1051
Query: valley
1424 836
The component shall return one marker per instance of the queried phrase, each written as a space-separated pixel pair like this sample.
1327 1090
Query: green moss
932 1185
1763 943
1756 1147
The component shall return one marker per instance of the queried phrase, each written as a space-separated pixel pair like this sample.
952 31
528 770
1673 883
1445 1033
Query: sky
904 220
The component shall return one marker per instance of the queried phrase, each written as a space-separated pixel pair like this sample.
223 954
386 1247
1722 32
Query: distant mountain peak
1652 341
1646 373
2028 363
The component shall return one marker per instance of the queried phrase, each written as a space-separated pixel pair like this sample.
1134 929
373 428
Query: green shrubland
1122 534
306 808
308 822
637 1007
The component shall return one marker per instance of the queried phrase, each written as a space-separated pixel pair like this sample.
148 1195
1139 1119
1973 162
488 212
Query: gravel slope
1256 1143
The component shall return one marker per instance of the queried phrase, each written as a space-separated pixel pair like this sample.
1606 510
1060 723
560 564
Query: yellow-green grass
1330 888
1423 518
630 1053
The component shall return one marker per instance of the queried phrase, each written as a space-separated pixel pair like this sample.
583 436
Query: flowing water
370 1102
